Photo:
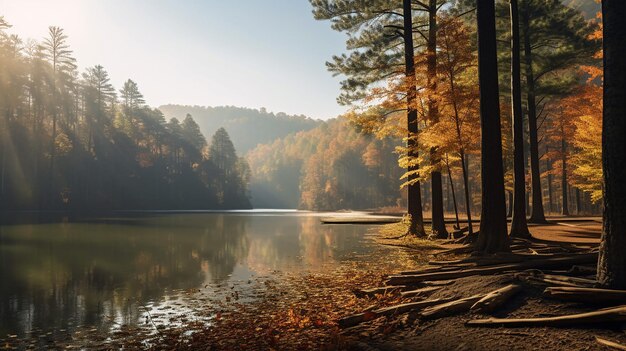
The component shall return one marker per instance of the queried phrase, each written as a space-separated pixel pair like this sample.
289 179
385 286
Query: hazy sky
251 53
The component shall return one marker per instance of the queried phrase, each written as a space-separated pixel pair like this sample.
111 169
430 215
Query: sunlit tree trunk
414 193
456 210
612 260
493 225
519 228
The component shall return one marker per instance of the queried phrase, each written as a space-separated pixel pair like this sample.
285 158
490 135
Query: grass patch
394 234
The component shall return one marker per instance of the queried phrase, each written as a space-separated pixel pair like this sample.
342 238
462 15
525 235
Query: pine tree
519 228
493 225
556 37
612 261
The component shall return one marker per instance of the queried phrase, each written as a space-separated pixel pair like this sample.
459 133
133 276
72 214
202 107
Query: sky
248 53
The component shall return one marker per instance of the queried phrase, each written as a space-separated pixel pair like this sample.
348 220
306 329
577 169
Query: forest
71 142
561 101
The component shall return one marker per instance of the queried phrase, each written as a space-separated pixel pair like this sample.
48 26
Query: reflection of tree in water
224 245
57 275
328 243
273 244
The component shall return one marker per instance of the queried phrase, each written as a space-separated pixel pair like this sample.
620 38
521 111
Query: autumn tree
455 132
381 41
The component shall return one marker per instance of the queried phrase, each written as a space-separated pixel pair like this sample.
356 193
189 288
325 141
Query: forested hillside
70 141
247 127
330 167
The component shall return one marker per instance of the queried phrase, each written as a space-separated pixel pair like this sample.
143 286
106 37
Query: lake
104 273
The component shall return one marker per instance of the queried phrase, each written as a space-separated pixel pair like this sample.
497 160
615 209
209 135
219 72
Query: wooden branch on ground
586 295
431 270
583 270
450 308
610 344
421 292
556 280
383 290
609 315
356 319
496 298
558 262
456 251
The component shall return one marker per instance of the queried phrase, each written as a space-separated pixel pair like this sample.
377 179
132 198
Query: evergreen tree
612 261
519 227
556 37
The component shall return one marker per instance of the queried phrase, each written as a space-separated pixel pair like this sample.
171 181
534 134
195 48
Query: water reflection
56 276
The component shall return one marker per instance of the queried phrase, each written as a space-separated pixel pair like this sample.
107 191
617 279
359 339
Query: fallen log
450 308
456 251
421 292
610 344
496 298
383 290
557 262
355 319
471 259
609 315
586 295
431 270
583 270
557 280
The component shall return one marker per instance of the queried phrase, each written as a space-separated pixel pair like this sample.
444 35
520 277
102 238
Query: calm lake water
108 272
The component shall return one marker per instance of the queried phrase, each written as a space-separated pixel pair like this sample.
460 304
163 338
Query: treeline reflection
57 276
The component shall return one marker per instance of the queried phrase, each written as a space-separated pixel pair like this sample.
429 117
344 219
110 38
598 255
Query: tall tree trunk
537 214
564 188
578 209
549 181
493 226
519 227
437 216
456 210
466 187
414 193
509 209
612 261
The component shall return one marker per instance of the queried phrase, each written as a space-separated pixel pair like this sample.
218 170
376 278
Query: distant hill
330 167
247 127
589 8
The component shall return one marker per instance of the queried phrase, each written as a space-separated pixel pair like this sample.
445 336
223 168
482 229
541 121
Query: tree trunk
437 218
612 261
509 209
564 188
493 226
519 227
549 181
456 210
578 209
414 193
466 188
537 215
